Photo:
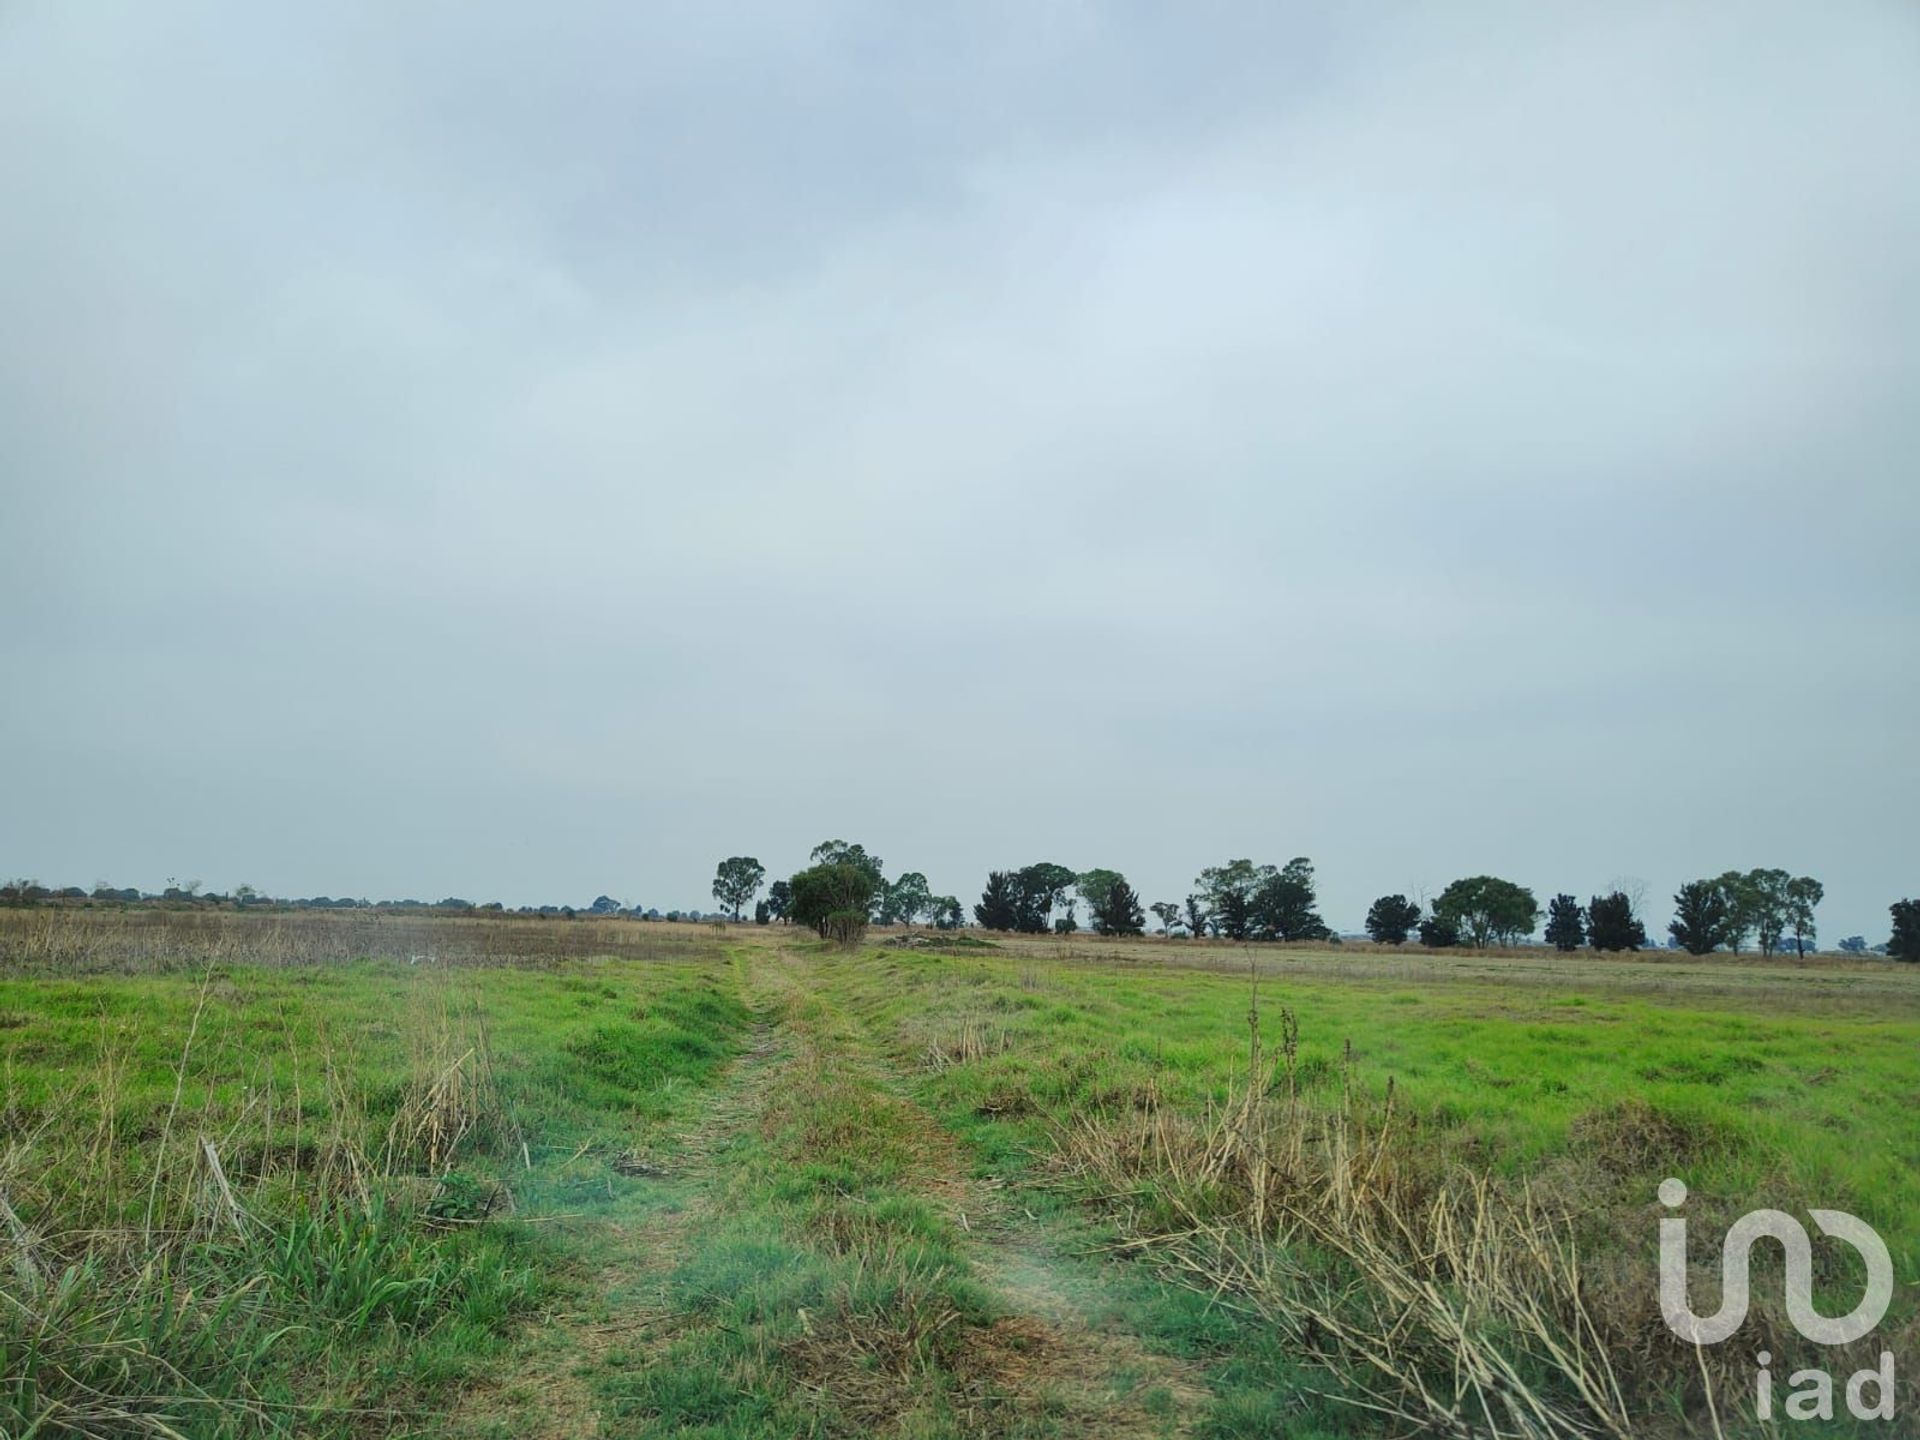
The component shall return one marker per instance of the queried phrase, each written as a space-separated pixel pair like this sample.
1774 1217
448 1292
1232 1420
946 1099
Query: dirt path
1056 1349
661 1190
812 1147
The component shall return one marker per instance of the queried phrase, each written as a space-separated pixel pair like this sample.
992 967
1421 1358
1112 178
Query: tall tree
1743 909
947 914
1489 910
1612 925
1167 912
1768 905
998 908
779 899
1702 914
1042 887
906 899
1282 907
1117 911
1228 890
736 881
1233 915
1804 894
1093 886
1197 917
1566 923
1905 944
1391 918
839 852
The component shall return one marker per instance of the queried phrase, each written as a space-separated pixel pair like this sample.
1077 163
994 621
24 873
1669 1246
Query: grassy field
323 1175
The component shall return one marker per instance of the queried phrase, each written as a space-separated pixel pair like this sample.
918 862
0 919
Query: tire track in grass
1048 1354
806 1255
624 1216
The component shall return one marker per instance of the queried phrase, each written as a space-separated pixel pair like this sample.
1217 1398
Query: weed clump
1443 1299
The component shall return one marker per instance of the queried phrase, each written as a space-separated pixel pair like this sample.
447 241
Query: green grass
496 1199
1766 1106
380 1124
818 1294
1594 1094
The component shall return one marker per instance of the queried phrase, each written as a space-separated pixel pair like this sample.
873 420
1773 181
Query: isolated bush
825 891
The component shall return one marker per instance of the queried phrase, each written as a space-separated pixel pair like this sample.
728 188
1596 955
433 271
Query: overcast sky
525 451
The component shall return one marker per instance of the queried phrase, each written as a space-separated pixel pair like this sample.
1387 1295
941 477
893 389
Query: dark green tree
1167 912
1391 918
1488 910
1233 915
779 898
947 914
1566 924
1702 915
1439 932
736 881
1041 889
1198 917
1117 911
1229 890
1282 905
1905 944
1612 925
1092 886
998 908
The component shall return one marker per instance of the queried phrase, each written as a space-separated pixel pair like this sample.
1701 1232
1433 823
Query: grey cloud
474 448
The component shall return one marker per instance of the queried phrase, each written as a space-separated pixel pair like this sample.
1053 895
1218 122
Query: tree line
193 895
844 889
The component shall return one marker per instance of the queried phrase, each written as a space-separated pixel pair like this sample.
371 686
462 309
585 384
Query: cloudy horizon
492 451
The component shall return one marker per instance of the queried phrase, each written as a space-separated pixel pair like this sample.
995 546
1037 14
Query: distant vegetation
192 895
844 889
